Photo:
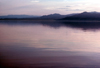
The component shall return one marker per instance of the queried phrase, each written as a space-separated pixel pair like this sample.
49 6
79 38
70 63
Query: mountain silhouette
19 16
55 16
84 16
32 17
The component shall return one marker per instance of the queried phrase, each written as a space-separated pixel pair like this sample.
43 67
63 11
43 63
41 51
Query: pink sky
44 7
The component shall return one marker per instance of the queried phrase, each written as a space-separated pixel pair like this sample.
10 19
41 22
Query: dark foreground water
49 44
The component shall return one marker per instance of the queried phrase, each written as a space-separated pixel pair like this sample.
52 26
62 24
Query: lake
49 44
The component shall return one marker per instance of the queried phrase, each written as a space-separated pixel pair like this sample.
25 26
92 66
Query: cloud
34 0
68 6
50 0
74 9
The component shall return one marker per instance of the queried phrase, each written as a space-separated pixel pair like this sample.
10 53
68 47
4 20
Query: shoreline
49 20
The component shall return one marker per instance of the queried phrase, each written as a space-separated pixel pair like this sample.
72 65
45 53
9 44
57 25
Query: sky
45 7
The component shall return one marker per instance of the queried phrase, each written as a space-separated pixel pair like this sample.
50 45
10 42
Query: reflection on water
51 42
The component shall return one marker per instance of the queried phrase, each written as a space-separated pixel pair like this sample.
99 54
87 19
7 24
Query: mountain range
84 16
55 16
19 16
77 16
44 17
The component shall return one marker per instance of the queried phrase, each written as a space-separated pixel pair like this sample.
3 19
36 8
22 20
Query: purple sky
44 7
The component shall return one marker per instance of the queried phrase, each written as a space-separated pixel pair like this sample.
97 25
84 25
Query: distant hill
54 16
19 16
31 17
84 16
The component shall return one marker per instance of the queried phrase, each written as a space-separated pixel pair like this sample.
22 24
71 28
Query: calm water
48 44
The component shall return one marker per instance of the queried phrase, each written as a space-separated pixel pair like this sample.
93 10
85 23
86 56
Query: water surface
48 44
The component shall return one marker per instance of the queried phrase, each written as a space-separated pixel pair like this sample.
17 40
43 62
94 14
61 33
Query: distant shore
50 20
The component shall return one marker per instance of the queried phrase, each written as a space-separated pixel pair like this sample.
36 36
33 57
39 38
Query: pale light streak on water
39 36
